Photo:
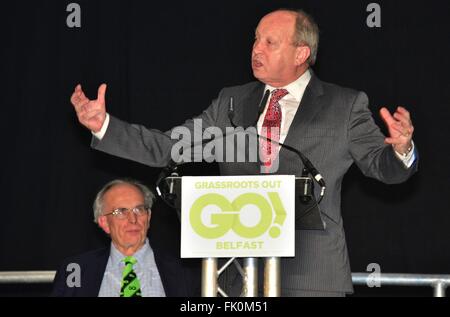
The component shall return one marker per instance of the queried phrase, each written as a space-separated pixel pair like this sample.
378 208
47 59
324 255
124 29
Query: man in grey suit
331 125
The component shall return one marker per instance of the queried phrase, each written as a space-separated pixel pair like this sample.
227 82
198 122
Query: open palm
90 113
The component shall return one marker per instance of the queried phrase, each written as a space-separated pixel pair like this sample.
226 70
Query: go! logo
272 215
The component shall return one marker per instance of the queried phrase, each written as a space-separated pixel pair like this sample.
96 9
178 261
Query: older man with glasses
129 267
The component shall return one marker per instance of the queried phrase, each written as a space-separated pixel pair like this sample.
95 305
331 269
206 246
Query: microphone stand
171 170
308 166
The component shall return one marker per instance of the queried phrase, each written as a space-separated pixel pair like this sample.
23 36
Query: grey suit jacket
333 127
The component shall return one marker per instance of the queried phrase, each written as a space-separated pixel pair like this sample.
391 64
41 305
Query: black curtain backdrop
164 62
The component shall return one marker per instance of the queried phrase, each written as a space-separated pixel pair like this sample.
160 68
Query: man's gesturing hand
90 113
400 129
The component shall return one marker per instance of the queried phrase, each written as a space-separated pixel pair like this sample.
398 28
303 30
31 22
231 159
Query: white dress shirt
288 104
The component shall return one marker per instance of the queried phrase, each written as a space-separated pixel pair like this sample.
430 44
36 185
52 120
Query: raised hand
400 129
90 113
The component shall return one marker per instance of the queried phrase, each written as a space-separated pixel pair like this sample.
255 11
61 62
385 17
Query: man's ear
103 223
149 218
302 54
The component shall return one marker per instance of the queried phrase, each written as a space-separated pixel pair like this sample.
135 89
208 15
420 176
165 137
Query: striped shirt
145 268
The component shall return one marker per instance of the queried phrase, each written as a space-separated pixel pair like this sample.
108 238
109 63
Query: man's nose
132 217
256 47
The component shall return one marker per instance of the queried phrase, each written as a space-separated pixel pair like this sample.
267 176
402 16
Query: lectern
307 217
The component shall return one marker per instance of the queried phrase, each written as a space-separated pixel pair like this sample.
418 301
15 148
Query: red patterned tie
271 128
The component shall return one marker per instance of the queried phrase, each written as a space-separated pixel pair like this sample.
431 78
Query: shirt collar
297 88
117 257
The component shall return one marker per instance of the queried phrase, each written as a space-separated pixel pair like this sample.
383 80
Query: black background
164 62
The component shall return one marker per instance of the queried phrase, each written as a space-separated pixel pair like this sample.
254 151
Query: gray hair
306 32
149 197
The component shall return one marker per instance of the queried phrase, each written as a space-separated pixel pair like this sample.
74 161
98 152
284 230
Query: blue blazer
176 279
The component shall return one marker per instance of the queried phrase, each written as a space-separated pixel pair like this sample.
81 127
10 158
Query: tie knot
130 260
278 94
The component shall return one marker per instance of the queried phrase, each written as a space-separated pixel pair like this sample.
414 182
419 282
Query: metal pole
209 277
439 289
26 277
250 282
272 280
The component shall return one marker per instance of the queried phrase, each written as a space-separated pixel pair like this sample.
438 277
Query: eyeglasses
122 213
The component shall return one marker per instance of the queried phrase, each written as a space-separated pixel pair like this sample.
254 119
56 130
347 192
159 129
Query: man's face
274 56
130 233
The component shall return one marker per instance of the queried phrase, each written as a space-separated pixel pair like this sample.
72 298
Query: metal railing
27 277
439 283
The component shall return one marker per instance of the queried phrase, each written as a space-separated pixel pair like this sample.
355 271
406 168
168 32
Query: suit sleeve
149 146
366 143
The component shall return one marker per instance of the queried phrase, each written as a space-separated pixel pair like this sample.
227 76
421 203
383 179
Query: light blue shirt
145 268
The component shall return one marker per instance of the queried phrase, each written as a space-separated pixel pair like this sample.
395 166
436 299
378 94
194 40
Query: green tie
130 283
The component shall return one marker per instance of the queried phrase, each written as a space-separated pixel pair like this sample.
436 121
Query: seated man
129 267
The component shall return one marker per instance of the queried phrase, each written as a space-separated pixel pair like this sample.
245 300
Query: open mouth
256 64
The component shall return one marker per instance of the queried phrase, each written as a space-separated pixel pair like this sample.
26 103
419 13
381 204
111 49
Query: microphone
262 105
306 162
171 169
172 166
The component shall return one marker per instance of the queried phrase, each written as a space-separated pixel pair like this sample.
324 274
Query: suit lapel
173 275
94 274
250 105
310 105
162 267
247 117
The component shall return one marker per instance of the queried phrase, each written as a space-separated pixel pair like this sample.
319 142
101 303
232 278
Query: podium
307 217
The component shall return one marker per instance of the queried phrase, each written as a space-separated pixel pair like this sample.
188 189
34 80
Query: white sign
238 216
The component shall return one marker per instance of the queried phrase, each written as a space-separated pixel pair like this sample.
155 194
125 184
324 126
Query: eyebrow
138 205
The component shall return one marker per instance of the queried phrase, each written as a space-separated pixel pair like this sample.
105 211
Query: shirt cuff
408 159
100 134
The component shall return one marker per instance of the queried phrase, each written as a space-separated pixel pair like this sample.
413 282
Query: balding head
280 52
